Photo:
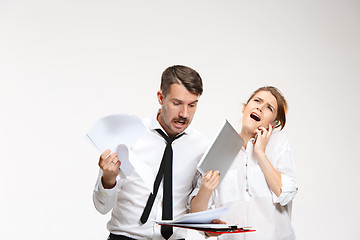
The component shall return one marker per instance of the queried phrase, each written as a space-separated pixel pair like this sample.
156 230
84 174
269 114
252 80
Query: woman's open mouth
255 116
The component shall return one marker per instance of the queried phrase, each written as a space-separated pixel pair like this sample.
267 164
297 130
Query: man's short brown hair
183 75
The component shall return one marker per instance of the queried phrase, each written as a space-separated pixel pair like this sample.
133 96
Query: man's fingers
118 164
106 159
103 157
218 221
105 154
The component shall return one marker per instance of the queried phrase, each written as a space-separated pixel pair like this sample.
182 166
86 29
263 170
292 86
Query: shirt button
247 190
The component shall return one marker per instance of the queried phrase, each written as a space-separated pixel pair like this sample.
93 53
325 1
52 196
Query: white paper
117 133
204 217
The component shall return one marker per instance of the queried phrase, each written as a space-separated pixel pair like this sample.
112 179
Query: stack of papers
117 133
202 221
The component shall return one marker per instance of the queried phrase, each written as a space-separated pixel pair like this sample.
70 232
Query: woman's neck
246 136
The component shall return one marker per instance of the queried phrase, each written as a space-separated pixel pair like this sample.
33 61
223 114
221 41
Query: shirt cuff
105 193
288 191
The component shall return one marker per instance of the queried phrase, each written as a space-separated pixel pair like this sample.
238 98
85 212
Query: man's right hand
110 165
215 221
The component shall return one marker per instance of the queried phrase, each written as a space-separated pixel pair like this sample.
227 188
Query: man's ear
160 97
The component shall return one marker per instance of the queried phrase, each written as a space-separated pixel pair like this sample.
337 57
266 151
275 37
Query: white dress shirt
244 189
129 196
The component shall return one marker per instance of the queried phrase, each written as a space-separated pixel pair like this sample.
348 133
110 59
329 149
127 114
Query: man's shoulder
198 136
146 121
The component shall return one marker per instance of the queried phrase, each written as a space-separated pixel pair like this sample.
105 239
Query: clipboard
212 228
222 152
202 221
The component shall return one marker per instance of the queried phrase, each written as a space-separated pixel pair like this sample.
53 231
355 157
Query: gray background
64 64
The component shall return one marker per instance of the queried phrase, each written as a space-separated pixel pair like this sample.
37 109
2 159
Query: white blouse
244 189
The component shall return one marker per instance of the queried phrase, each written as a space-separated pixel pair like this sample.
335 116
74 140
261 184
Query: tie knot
168 139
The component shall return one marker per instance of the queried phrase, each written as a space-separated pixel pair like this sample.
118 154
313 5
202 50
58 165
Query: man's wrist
108 183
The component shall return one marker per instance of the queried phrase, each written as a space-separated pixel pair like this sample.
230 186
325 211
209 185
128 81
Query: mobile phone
273 124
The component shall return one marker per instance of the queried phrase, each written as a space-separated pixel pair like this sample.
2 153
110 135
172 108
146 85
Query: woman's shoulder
279 139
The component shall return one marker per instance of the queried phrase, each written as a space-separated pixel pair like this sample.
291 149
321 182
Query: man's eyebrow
178 100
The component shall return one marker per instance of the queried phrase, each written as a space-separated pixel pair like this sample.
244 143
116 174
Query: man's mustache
181 119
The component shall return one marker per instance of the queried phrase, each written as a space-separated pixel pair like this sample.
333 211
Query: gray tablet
222 152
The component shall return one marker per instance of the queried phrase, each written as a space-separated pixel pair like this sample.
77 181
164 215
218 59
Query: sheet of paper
204 217
222 152
117 133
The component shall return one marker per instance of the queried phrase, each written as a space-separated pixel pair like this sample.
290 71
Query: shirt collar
154 124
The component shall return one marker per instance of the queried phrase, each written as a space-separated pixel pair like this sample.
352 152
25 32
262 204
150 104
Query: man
170 150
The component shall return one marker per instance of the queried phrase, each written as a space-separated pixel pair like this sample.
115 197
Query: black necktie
166 170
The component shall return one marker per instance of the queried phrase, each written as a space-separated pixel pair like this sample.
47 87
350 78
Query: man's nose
184 112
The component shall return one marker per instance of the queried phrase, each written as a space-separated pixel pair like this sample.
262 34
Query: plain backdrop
65 64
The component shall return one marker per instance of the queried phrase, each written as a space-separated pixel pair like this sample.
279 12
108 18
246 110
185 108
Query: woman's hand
210 181
262 138
272 176
208 184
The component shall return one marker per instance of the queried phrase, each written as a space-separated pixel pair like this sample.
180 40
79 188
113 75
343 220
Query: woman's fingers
207 176
271 128
211 180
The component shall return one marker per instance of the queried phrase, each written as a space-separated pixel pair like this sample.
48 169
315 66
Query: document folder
222 152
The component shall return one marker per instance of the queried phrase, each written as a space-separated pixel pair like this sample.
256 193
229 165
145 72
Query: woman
261 183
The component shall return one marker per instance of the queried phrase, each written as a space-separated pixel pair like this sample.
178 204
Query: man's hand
215 221
110 165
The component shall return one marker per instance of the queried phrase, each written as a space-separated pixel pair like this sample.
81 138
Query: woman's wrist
260 154
205 192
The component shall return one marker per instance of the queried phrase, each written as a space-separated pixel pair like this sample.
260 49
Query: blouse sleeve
197 185
285 164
